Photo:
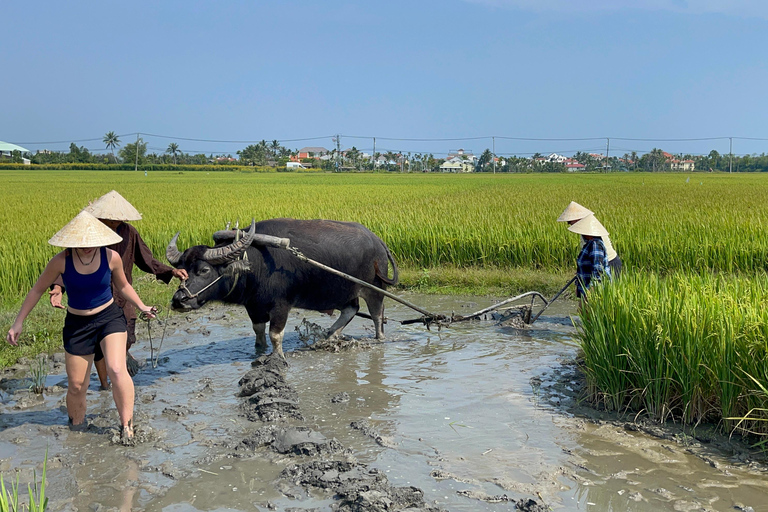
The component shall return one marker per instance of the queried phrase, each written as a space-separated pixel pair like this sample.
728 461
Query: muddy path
474 417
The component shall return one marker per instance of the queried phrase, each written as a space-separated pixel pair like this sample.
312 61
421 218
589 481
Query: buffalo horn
232 251
172 253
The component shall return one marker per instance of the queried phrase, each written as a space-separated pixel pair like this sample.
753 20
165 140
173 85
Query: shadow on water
474 415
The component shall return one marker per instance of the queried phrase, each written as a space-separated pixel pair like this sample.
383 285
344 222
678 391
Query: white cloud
737 8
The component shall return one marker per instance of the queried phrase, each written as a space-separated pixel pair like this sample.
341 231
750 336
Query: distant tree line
273 154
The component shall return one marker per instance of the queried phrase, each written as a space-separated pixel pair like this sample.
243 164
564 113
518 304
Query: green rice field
692 302
712 222
692 348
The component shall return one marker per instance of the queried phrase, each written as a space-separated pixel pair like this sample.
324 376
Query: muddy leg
276 337
376 310
346 316
276 332
78 377
261 336
113 346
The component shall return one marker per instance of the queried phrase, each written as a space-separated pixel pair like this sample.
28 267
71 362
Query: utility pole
607 150
494 155
374 154
337 140
136 163
730 155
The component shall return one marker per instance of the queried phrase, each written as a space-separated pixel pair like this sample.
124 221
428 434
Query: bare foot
126 433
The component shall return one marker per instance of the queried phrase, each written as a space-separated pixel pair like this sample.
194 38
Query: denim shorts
82 334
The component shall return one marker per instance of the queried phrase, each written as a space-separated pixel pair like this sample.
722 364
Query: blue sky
405 72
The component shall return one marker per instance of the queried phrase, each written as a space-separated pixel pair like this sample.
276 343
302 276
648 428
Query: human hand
148 312
13 335
56 296
180 273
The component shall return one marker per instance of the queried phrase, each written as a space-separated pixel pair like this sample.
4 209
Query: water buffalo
269 281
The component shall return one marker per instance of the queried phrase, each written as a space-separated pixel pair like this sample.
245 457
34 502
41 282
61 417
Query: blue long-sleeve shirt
591 264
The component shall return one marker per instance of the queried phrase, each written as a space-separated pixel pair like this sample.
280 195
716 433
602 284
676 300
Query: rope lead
154 359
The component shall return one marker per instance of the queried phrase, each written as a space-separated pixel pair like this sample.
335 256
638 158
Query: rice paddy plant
38 372
679 346
38 502
9 498
755 416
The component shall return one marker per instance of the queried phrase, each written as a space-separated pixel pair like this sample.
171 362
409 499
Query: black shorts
131 324
82 334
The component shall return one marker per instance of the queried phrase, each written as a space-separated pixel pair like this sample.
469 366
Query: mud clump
291 440
366 428
269 397
357 488
304 441
518 317
525 504
340 398
340 343
316 338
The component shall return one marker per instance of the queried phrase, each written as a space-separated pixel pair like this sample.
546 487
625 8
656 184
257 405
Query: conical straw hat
113 206
589 226
84 230
573 211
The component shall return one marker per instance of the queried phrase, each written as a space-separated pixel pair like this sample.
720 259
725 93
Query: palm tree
275 147
173 148
111 141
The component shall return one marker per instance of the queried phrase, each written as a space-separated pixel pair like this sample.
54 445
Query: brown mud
477 416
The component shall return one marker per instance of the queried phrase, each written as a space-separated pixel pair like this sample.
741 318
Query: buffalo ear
237 267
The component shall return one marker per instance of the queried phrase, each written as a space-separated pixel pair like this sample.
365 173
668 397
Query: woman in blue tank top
89 270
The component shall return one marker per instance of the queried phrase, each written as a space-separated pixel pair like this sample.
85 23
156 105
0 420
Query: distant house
7 149
573 165
462 154
311 152
451 165
457 164
554 157
679 165
459 152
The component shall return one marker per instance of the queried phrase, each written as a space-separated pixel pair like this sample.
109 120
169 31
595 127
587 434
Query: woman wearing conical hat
115 211
592 263
573 213
89 271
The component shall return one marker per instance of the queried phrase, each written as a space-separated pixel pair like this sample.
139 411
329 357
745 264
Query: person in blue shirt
572 214
115 211
89 271
592 263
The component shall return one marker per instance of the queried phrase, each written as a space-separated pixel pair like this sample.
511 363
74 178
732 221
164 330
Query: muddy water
477 416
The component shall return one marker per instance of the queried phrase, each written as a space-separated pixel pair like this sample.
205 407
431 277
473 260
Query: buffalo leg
348 312
259 322
376 309
261 335
277 323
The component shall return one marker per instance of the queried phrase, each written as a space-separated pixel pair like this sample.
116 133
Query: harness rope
154 359
427 318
